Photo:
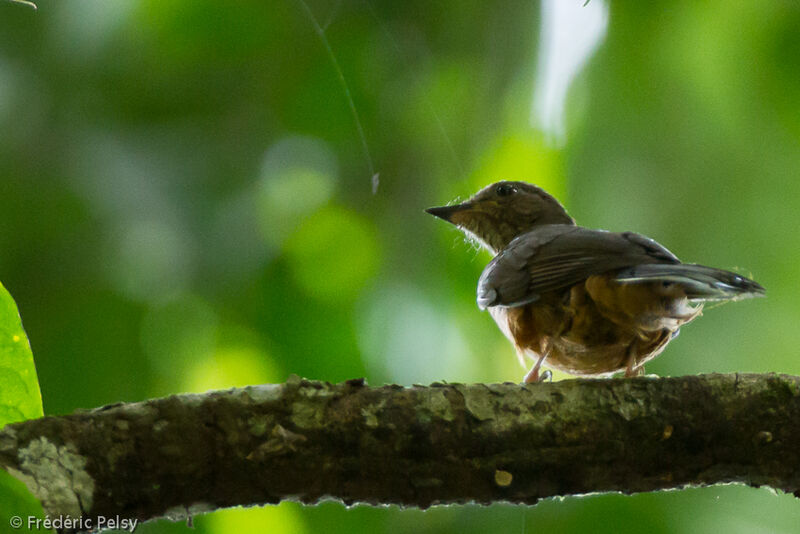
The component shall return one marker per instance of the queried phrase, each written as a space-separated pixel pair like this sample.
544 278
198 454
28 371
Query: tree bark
412 446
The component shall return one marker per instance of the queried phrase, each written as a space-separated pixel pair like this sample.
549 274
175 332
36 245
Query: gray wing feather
697 281
558 256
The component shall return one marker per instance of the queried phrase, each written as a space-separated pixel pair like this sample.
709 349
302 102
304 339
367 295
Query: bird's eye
504 190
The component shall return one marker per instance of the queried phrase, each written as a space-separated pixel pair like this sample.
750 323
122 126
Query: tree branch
415 446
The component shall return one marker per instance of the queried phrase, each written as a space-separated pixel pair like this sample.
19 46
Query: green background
186 204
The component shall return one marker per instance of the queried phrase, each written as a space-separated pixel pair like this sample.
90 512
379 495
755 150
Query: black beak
445 212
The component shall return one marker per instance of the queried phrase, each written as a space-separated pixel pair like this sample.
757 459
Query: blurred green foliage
185 204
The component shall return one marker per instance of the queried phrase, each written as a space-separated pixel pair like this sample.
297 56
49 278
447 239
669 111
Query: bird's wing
558 256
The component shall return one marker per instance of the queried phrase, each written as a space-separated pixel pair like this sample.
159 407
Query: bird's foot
631 369
634 371
534 376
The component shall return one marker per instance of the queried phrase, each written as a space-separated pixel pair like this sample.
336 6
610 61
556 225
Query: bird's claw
533 376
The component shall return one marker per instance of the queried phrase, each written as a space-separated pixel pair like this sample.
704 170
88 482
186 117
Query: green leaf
20 397
16 500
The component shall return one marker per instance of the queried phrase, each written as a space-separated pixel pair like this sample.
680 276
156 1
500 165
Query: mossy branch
412 446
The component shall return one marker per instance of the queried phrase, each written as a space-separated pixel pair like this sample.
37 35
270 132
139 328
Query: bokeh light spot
522 157
177 333
85 27
150 260
333 254
231 366
570 34
280 519
236 246
406 339
298 176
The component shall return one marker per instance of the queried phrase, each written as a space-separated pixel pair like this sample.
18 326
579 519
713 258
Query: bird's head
500 212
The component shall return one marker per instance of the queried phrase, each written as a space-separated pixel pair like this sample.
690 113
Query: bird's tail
697 281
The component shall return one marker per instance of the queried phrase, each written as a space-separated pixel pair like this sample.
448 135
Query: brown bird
588 302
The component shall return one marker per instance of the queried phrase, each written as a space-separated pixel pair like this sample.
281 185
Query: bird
587 302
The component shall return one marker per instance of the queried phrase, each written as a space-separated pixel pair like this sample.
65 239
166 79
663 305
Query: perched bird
587 302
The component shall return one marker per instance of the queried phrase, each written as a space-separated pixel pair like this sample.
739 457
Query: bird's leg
533 374
631 369
521 356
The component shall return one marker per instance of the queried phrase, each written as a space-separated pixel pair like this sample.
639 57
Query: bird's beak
447 212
